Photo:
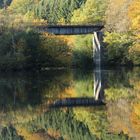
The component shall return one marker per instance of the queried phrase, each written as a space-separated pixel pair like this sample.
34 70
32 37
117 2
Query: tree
22 6
117 48
116 15
54 10
134 16
92 12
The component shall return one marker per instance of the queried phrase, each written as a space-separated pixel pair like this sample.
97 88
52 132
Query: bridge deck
70 29
71 102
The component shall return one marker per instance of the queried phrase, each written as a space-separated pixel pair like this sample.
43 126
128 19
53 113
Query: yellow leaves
69 40
24 8
91 12
135 117
16 4
135 82
62 21
78 17
135 48
137 109
134 14
116 38
29 136
115 94
70 92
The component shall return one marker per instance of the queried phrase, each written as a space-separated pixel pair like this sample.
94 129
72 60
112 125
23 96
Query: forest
22 47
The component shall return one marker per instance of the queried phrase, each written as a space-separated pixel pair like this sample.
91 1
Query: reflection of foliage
63 122
34 89
116 87
73 127
114 78
135 116
121 98
83 83
9 133
94 118
135 82
21 90
117 93
115 137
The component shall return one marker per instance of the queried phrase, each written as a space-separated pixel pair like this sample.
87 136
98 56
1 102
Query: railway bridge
96 31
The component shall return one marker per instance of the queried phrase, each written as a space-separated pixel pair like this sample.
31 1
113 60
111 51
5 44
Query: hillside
121 40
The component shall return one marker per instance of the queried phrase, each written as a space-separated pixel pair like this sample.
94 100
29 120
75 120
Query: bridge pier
97 48
98 85
97 55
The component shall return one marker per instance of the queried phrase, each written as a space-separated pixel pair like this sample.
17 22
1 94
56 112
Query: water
57 105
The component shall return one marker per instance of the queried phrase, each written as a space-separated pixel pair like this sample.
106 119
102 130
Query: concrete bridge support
97 48
97 53
98 85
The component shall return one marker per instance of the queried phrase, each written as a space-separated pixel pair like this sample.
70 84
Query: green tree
53 11
117 48
92 12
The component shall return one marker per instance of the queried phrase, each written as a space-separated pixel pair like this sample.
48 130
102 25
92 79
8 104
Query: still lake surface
59 105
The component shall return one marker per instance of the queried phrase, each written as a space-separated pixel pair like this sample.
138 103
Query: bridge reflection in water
98 93
96 100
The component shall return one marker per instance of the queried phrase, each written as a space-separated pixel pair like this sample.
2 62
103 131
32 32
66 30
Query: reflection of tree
83 83
123 104
72 127
28 93
135 105
21 90
64 122
135 81
119 117
117 85
95 118
9 133
116 78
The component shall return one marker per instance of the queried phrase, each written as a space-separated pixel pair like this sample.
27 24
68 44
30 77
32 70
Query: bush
30 50
117 48
83 51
